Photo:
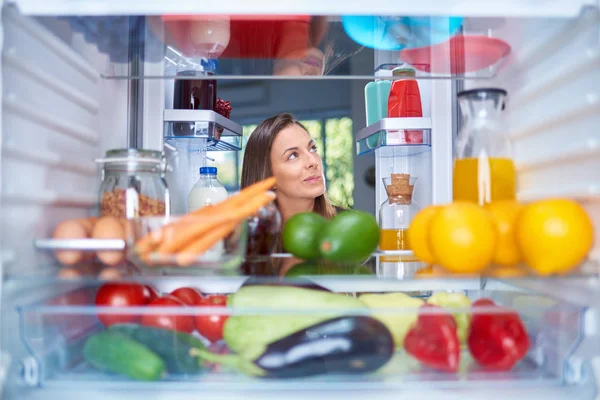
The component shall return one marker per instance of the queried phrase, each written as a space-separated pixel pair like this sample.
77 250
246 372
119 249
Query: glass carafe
396 212
483 167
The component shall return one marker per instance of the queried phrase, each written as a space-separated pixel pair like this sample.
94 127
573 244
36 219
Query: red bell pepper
433 340
497 340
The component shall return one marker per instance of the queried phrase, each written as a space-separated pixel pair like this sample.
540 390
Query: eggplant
289 282
348 345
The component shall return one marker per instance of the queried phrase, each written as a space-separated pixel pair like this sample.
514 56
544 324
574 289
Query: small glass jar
133 184
396 212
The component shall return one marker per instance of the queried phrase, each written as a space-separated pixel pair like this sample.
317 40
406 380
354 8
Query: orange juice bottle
483 168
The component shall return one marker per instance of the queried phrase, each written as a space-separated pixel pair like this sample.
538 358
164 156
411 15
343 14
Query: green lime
301 235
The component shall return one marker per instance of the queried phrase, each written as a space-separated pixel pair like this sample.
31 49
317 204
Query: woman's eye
292 156
313 148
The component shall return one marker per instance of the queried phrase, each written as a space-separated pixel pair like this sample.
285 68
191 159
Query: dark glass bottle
193 94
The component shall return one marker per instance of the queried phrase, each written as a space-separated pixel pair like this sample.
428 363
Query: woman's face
296 165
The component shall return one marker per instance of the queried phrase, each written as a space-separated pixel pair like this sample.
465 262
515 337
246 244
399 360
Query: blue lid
208 170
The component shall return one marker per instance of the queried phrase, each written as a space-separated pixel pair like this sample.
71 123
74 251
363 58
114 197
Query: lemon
418 234
462 238
554 235
504 214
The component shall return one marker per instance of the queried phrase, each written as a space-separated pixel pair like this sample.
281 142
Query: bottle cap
402 71
383 74
208 170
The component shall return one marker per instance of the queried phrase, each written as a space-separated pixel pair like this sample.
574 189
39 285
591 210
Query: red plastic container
405 101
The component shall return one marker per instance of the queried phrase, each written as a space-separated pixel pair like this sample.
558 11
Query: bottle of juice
483 168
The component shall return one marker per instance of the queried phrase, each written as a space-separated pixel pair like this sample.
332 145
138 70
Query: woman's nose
312 161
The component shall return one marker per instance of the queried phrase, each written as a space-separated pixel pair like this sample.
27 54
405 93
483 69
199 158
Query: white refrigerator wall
58 115
553 108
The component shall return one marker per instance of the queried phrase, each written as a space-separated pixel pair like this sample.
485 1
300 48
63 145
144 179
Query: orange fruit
504 213
554 235
418 234
462 238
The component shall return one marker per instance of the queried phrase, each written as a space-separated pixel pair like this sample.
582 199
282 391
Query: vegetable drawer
303 337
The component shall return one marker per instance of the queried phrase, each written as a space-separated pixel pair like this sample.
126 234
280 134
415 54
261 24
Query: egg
69 273
110 274
109 228
70 229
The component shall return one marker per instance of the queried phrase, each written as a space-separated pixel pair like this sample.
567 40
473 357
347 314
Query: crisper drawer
291 338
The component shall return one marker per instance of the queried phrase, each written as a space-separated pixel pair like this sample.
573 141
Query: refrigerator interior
67 98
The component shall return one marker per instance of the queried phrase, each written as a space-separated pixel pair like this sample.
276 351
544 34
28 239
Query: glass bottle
396 212
483 167
133 184
194 94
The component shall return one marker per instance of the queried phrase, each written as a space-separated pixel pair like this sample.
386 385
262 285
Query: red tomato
169 320
121 295
188 295
211 326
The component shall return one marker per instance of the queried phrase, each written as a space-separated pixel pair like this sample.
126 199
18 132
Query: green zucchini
173 347
118 353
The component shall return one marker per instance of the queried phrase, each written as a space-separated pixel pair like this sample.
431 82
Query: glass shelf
412 135
201 130
301 46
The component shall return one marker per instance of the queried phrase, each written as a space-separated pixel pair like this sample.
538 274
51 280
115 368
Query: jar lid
132 155
208 170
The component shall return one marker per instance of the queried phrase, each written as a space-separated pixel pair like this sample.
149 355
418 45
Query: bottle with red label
404 101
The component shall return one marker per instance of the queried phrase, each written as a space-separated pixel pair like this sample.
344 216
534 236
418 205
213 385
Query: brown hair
257 157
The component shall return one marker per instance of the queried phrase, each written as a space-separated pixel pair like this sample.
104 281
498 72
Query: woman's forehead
292 136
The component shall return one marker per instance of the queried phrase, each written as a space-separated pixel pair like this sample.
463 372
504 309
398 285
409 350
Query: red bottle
405 101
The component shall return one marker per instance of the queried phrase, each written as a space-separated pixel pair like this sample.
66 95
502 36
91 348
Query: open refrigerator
82 77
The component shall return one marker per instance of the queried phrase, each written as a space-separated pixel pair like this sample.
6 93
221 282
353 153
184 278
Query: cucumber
173 347
118 353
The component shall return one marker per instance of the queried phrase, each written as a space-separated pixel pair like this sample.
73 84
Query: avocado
351 236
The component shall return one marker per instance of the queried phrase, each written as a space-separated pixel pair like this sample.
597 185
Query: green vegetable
351 236
398 322
301 235
116 352
454 300
249 335
173 347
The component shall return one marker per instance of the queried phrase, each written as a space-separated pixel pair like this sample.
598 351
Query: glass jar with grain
133 184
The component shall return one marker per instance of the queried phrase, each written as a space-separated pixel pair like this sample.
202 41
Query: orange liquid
393 239
502 182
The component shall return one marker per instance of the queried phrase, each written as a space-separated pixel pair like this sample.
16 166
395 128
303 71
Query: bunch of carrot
198 231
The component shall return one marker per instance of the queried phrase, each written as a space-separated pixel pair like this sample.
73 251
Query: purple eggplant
276 281
348 345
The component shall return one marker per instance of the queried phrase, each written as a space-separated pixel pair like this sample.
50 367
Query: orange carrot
245 194
150 241
186 237
188 255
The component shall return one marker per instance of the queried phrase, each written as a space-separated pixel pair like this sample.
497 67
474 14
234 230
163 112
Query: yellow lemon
418 234
462 238
554 235
504 214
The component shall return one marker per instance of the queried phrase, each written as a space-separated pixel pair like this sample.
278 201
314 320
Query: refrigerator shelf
397 133
79 244
54 332
201 130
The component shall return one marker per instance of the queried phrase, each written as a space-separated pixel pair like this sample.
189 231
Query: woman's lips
312 179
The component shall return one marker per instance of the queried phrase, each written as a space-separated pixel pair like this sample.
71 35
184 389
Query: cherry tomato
169 320
211 326
121 295
188 295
